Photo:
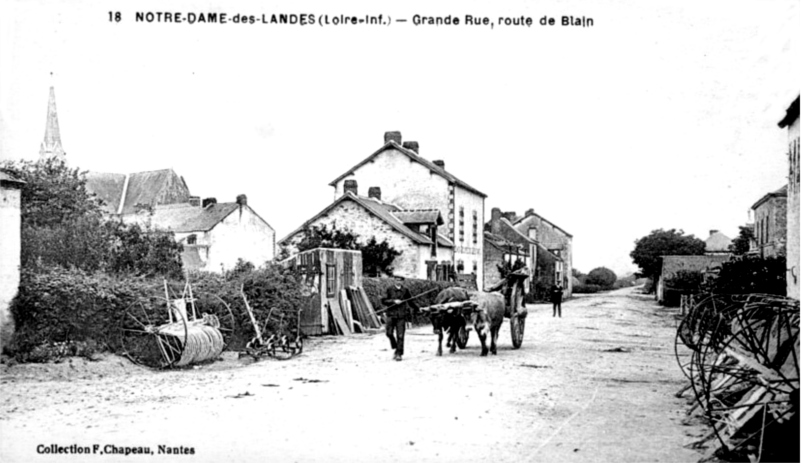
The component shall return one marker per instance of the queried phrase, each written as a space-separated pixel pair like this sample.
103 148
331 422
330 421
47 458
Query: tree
602 277
377 257
648 250
742 244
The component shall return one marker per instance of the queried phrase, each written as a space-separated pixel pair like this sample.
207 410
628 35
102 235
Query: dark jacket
556 294
402 310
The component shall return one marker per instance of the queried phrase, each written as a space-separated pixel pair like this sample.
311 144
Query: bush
751 275
66 311
601 276
376 289
588 289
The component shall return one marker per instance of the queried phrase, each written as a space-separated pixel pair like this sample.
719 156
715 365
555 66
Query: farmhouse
214 235
425 253
410 182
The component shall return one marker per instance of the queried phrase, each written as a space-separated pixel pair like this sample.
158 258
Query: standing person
556 298
397 306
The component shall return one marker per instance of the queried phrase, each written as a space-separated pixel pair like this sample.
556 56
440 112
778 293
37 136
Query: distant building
505 243
51 145
214 235
127 193
770 224
10 249
790 121
707 265
409 181
425 253
554 239
717 244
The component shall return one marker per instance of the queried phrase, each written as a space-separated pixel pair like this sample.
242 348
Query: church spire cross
51 145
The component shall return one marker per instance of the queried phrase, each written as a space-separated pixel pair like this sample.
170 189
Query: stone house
790 121
214 235
10 250
425 253
554 239
770 224
410 182
503 242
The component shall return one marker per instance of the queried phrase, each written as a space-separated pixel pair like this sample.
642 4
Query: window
461 224
475 227
191 239
475 267
460 266
532 233
330 279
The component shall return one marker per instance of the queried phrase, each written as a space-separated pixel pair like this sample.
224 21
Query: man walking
397 304
556 298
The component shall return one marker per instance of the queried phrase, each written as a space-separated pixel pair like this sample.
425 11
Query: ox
488 317
452 322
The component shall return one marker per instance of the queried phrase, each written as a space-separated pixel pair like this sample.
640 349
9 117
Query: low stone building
10 249
425 253
214 235
671 266
770 224
790 122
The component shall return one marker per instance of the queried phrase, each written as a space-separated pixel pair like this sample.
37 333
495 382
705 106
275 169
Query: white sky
663 115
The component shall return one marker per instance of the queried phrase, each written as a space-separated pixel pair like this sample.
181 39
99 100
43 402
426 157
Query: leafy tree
377 257
648 250
742 244
686 281
601 276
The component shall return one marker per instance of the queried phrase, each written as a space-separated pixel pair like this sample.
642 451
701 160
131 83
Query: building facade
790 122
770 224
214 235
413 232
10 249
410 181
552 238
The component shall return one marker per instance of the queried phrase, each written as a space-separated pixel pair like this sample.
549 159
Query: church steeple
51 145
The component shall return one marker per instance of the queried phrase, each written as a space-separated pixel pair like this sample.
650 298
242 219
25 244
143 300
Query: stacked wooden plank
363 311
352 312
744 371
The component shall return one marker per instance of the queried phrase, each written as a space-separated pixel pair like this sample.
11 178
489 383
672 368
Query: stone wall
552 238
10 248
469 245
770 226
793 270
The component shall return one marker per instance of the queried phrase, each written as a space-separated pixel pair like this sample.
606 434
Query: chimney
352 186
392 136
510 216
712 232
194 201
495 221
209 201
374 192
412 145
242 200
440 163
530 212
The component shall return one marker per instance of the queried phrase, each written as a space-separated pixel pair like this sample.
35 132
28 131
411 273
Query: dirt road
595 385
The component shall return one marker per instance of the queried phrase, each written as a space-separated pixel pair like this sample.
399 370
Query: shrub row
588 289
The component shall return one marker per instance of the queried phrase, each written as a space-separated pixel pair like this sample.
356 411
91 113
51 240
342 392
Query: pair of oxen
487 318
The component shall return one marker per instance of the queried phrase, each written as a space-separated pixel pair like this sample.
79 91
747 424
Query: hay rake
177 336
285 339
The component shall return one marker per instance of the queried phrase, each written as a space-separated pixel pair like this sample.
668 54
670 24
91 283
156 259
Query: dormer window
191 239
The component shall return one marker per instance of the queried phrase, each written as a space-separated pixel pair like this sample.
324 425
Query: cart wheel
148 338
518 325
461 337
228 323
516 322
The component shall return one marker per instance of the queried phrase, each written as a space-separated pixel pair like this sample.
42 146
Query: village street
595 385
